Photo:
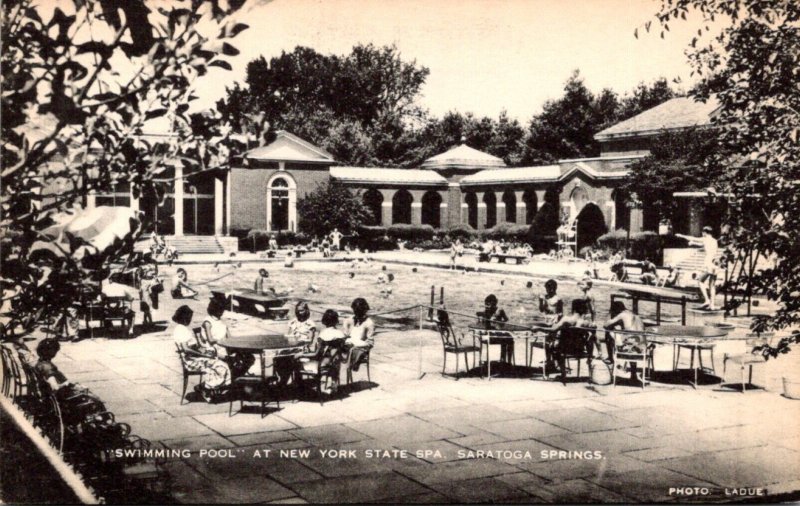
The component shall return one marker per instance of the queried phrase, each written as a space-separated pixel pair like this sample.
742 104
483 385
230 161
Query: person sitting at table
302 329
200 356
621 319
550 304
360 331
578 318
492 318
180 286
328 350
216 332
585 286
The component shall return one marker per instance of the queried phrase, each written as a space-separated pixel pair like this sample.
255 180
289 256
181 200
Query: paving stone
249 490
662 453
289 500
473 415
362 457
582 420
249 463
365 488
162 428
243 423
751 467
568 469
131 407
523 481
209 441
186 484
458 470
403 429
328 435
582 491
526 428
514 452
262 438
427 498
311 414
479 437
609 442
447 451
91 378
481 490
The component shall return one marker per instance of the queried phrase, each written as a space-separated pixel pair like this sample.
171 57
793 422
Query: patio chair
14 382
253 388
749 358
543 340
182 354
572 344
326 364
632 348
43 406
364 359
451 343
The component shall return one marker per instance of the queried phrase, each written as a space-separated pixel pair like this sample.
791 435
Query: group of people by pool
582 315
324 347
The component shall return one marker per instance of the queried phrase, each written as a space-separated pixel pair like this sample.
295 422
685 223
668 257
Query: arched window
472 209
281 202
401 207
431 203
510 200
591 225
491 209
531 204
373 200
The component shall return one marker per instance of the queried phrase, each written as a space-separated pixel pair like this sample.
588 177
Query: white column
269 208
612 213
178 194
228 203
500 211
218 201
91 201
293 209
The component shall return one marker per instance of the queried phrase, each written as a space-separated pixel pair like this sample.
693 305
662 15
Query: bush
461 231
643 245
410 233
508 231
373 238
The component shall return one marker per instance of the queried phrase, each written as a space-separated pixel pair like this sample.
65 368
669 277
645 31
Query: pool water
333 285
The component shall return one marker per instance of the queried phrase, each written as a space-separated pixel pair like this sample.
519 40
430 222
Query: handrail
64 470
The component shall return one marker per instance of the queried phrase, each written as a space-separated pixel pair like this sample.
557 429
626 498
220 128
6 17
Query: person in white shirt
707 280
336 238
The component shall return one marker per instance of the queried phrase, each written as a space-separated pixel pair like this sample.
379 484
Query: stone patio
649 441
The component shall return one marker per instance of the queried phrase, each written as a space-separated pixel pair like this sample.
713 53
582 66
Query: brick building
460 186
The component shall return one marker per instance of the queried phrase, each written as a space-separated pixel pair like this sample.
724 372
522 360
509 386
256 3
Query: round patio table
257 344
693 337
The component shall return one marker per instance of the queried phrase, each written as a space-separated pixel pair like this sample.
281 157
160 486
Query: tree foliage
682 160
331 206
753 66
566 126
80 79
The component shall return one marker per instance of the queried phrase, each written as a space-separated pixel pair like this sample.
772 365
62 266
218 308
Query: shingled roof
366 175
674 114
463 156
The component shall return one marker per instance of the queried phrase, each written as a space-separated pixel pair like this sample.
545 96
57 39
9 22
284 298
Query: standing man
709 275
336 237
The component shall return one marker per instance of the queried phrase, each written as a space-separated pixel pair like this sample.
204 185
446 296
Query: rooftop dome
463 157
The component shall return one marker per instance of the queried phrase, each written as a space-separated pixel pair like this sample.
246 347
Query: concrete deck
642 443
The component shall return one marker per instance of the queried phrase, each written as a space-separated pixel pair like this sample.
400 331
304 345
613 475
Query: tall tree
368 95
331 206
645 97
80 79
751 61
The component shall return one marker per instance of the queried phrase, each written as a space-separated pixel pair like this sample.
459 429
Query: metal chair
632 348
326 364
364 359
692 347
252 388
451 343
182 354
573 344
753 356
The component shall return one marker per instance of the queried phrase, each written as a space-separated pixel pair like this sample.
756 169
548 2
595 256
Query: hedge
643 245
508 231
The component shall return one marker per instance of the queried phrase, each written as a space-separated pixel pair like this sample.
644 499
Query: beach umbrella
100 227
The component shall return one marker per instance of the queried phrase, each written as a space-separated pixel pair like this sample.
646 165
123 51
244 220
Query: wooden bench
502 258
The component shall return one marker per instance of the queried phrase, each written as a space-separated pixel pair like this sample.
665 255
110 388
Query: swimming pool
333 285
